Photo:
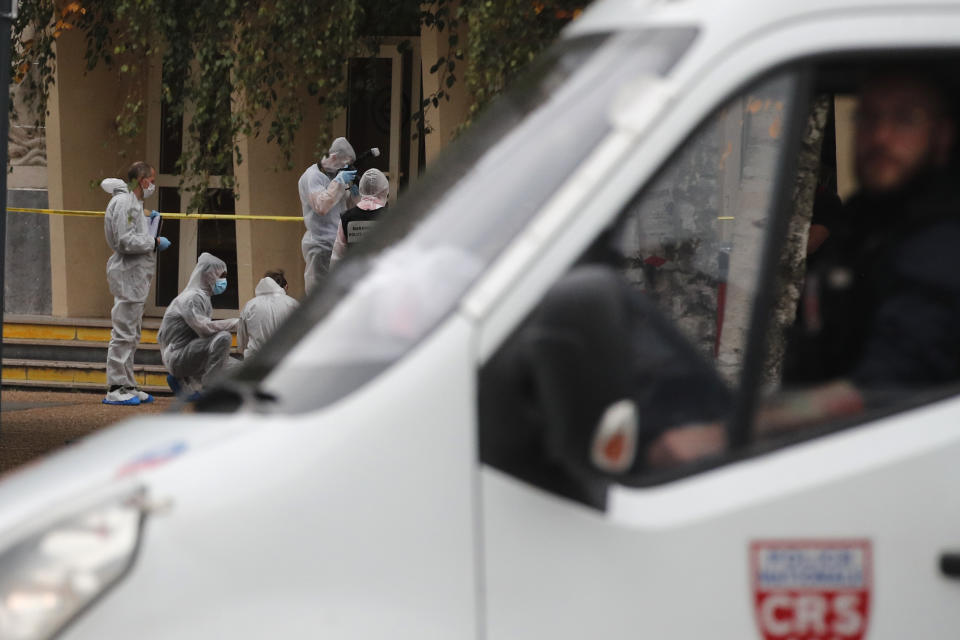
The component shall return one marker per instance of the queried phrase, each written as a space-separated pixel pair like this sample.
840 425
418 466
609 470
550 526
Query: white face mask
149 190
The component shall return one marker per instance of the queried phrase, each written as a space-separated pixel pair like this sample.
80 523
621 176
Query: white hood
205 274
114 186
268 286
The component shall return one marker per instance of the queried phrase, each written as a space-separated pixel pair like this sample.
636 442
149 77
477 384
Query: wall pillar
264 188
82 149
443 120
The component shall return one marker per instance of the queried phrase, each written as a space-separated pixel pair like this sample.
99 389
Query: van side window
672 341
654 318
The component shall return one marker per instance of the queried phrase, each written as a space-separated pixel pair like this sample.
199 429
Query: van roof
737 16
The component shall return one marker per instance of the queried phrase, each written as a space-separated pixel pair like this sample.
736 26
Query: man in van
889 274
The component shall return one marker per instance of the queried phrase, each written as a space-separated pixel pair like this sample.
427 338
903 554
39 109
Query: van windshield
414 268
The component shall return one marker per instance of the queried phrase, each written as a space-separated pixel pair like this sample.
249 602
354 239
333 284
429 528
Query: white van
451 440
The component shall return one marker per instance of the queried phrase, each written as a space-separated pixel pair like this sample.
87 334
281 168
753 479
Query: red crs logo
811 589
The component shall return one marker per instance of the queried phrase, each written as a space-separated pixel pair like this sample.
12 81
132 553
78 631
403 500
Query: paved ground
33 423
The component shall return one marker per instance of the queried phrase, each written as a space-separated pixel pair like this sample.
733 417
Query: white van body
372 517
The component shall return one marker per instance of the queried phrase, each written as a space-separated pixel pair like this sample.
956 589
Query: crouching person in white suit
264 313
196 348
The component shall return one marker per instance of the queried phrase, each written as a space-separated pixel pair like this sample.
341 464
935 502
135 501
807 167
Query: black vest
357 222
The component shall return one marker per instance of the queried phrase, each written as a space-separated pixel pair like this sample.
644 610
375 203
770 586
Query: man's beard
905 175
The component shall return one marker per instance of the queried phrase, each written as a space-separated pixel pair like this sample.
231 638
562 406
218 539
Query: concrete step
78 375
72 350
78 386
70 329
71 353
80 332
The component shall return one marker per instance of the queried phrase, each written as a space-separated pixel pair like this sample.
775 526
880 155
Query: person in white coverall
324 195
196 348
129 272
263 314
356 222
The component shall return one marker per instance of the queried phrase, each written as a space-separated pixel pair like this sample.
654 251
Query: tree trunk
761 146
694 238
792 267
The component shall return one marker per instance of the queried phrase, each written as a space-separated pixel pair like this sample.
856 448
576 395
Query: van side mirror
593 357
577 347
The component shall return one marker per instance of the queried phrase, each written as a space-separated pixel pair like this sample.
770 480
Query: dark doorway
219 237
168 262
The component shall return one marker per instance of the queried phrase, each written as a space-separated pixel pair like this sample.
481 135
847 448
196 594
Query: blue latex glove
355 191
162 243
346 177
154 214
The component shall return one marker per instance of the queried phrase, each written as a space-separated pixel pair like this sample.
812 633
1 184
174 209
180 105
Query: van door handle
950 564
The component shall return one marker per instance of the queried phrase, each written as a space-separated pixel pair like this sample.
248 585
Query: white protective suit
195 348
262 315
129 271
323 199
374 192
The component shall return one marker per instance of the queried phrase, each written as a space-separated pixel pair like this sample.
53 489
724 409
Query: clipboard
153 227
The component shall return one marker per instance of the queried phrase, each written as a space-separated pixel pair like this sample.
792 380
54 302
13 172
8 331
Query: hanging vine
506 35
234 68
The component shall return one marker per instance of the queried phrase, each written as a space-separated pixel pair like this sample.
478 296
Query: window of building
190 238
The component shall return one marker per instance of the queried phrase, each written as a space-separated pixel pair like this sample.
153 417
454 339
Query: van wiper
230 395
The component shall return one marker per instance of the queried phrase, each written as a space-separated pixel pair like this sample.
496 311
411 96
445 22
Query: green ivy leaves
233 68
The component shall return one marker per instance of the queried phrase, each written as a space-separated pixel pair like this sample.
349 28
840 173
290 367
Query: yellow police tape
168 216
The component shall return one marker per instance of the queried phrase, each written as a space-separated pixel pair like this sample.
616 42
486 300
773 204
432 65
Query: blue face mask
220 286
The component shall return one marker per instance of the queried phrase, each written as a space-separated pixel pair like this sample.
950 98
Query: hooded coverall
262 315
194 347
323 200
129 271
